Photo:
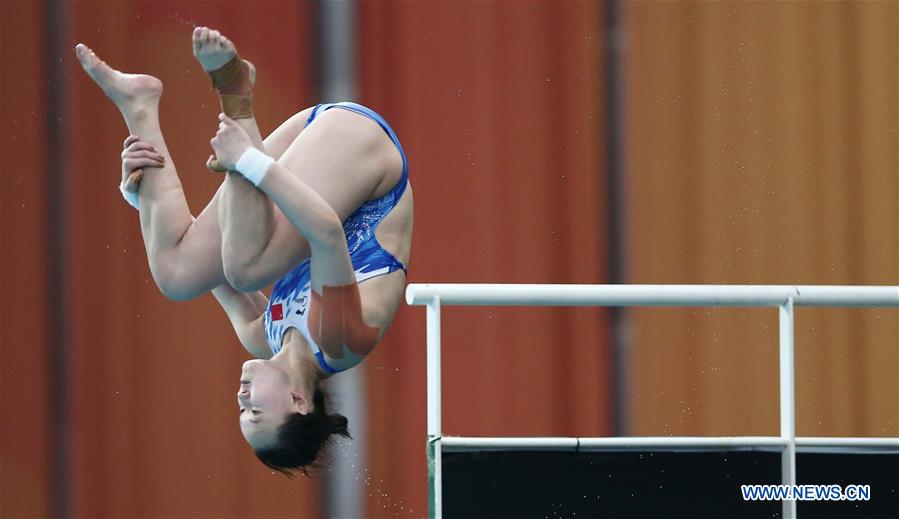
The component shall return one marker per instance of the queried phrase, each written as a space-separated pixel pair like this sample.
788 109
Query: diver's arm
246 311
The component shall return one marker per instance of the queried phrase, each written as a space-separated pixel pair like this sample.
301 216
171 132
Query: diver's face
264 399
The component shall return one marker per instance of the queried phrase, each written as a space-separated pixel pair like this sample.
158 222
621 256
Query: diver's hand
229 142
136 156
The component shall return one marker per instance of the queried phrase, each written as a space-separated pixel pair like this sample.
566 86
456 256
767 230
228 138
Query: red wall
24 339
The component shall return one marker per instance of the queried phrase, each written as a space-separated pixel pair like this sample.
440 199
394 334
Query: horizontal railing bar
668 443
688 443
846 296
456 443
847 445
651 295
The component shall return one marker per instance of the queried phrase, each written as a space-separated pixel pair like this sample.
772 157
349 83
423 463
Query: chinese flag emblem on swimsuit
277 312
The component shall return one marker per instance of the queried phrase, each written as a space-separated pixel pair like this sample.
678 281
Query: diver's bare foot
131 93
213 50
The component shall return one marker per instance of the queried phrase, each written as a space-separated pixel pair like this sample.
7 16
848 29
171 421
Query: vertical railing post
435 472
787 405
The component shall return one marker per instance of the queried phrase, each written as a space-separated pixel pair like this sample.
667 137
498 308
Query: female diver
322 207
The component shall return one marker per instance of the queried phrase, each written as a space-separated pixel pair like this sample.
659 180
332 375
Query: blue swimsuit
289 303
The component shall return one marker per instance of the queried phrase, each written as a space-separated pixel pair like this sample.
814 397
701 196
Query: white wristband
253 165
131 197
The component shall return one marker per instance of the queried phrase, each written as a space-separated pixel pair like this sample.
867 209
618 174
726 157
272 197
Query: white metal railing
785 297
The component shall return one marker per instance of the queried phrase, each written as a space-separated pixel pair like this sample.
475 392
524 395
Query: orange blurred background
759 146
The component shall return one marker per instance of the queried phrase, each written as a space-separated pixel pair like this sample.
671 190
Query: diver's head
284 419
265 397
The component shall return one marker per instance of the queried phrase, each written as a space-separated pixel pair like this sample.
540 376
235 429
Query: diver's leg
184 253
247 216
346 159
277 142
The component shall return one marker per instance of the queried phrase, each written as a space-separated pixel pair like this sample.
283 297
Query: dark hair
302 437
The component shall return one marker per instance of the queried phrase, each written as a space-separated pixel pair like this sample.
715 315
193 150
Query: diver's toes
83 53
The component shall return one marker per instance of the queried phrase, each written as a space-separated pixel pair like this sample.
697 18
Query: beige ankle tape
232 82
237 106
223 77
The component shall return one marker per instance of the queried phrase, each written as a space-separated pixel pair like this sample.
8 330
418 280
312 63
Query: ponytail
301 438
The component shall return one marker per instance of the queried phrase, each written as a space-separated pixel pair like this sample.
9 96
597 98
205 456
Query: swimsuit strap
320 357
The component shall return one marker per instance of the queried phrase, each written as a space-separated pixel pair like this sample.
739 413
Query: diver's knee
172 285
241 275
